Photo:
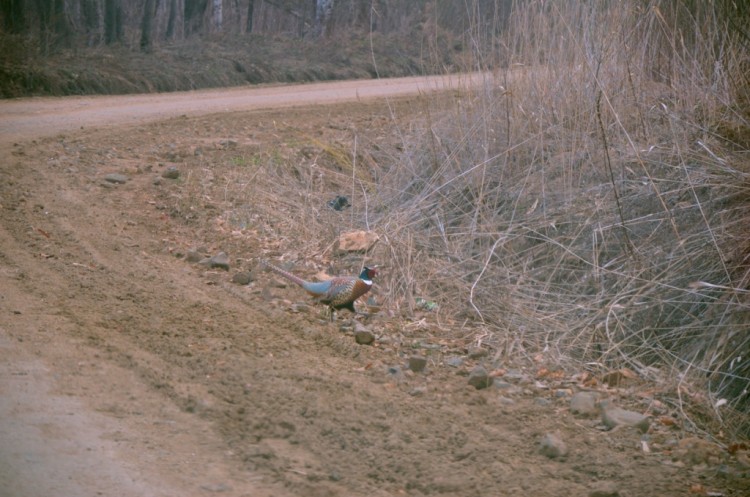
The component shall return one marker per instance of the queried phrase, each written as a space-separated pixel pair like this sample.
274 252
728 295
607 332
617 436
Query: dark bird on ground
337 293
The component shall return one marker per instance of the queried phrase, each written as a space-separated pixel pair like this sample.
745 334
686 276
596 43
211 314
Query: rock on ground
552 446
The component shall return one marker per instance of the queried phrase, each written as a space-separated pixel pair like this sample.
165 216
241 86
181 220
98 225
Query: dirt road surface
34 117
126 370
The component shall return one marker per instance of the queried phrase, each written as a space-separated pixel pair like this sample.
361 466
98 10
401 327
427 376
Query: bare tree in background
61 23
146 25
112 21
249 22
172 14
323 11
218 15
54 30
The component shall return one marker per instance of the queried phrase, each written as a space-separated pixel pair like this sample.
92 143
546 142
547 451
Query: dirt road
36 117
127 370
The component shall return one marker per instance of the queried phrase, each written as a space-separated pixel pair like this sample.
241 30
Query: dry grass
590 202
586 203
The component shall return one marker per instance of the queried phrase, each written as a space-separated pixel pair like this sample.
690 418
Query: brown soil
128 371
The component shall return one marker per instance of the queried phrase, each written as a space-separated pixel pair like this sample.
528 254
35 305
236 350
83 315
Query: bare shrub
582 201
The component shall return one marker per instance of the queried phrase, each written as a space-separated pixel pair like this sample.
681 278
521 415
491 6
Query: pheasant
337 293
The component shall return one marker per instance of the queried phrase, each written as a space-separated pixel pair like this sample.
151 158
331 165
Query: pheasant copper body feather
337 293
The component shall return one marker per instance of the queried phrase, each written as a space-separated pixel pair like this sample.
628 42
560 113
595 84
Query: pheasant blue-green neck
367 274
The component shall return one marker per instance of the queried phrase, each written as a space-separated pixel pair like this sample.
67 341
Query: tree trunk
90 20
218 14
112 21
171 20
61 23
146 23
249 24
195 11
323 11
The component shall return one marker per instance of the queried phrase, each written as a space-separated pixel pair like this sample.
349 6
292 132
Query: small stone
220 261
613 416
418 391
364 337
454 361
417 363
216 487
242 278
604 489
171 173
479 378
584 404
517 375
116 178
552 446
193 256
477 353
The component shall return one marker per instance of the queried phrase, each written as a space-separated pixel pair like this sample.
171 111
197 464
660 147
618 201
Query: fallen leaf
697 488
666 421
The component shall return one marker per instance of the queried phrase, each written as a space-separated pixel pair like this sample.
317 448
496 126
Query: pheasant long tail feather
291 277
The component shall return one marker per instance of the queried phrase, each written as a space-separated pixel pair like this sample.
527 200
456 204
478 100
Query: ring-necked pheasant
337 293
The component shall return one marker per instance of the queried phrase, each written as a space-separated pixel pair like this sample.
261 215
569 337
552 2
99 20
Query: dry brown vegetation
589 202
593 204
